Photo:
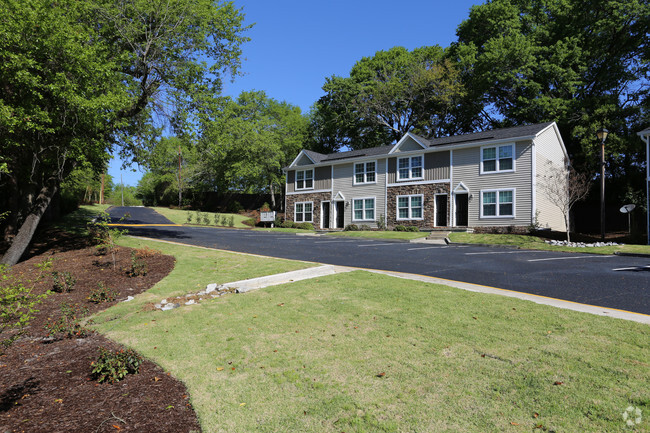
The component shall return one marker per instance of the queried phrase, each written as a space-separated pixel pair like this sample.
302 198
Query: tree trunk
28 227
567 223
272 195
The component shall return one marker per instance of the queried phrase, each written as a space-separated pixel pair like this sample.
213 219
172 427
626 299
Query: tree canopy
80 76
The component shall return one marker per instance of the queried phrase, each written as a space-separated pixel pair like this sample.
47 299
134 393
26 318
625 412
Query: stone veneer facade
316 198
428 191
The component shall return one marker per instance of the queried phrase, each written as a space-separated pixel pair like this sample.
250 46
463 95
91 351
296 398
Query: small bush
412 229
381 222
147 252
69 323
365 227
102 293
288 224
399 228
234 207
206 219
265 207
189 218
277 222
112 366
216 219
224 220
351 228
138 266
305 226
63 282
249 222
231 221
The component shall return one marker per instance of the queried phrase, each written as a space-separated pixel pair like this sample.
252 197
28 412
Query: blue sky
295 45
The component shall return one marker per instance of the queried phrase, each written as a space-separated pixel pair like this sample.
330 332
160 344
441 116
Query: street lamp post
602 136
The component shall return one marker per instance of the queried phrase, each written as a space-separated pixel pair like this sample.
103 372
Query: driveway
607 281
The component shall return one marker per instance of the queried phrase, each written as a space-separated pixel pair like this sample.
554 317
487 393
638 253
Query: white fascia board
403 139
302 152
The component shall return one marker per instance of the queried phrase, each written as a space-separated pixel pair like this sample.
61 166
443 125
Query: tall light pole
645 136
602 136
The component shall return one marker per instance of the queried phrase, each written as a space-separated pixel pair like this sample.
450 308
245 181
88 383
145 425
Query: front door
340 214
441 210
325 212
461 209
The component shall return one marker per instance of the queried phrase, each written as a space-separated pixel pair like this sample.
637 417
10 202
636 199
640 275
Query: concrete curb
286 277
618 253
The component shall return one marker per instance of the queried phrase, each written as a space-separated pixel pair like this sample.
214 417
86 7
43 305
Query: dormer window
409 168
497 159
305 179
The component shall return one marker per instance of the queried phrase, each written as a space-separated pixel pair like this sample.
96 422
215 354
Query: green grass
536 243
282 230
75 222
362 352
380 234
179 216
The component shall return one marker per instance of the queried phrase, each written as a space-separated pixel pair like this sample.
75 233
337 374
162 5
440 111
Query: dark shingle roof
495 134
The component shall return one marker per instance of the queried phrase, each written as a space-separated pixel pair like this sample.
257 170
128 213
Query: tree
581 63
384 97
81 76
564 188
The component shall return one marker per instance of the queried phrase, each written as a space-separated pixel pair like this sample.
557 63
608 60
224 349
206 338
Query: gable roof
512 133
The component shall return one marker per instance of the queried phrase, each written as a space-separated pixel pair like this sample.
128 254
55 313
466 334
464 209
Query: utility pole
180 185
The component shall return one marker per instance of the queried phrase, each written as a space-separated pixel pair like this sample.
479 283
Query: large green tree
81 76
582 63
385 96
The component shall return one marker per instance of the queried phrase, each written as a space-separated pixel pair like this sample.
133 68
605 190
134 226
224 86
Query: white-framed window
410 168
365 172
495 159
363 209
305 179
410 207
498 203
304 212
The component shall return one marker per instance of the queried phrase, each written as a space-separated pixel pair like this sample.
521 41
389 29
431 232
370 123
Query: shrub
399 228
305 226
288 224
63 282
102 293
69 323
206 219
277 222
265 207
231 221
365 227
224 220
234 207
351 228
147 252
105 237
112 366
216 219
381 222
17 307
412 229
138 266
249 222
189 218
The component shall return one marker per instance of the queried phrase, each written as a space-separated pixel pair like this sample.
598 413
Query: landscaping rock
170 306
582 244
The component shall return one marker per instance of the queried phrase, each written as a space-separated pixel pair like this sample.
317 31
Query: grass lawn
381 234
282 230
361 352
75 222
179 216
536 243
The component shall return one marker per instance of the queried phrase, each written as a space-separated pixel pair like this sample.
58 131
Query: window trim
496 160
295 211
365 173
410 208
410 168
305 171
497 191
363 210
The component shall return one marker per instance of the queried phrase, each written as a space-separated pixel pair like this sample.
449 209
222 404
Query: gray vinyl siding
436 167
344 183
322 179
549 152
466 169
408 145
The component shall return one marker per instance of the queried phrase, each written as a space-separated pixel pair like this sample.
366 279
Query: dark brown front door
340 214
326 215
441 210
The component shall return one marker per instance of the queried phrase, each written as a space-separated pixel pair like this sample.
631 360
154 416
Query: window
409 168
409 207
364 209
305 179
498 203
364 172
497 158
304 212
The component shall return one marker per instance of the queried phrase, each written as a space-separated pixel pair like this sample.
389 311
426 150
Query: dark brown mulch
46 386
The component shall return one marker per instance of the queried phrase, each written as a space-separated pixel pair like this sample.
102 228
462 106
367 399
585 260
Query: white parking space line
569 258
501 252
633 268
332 242
425 248
376 245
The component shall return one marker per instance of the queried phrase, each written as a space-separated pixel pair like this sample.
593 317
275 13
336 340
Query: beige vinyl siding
322 179
466 169
549 152
343 182
436 167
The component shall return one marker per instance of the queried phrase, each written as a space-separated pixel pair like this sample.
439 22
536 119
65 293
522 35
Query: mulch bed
46 385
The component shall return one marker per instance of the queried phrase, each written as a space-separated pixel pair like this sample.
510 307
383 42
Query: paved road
606 281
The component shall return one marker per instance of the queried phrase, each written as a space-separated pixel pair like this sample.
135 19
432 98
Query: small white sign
267 216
